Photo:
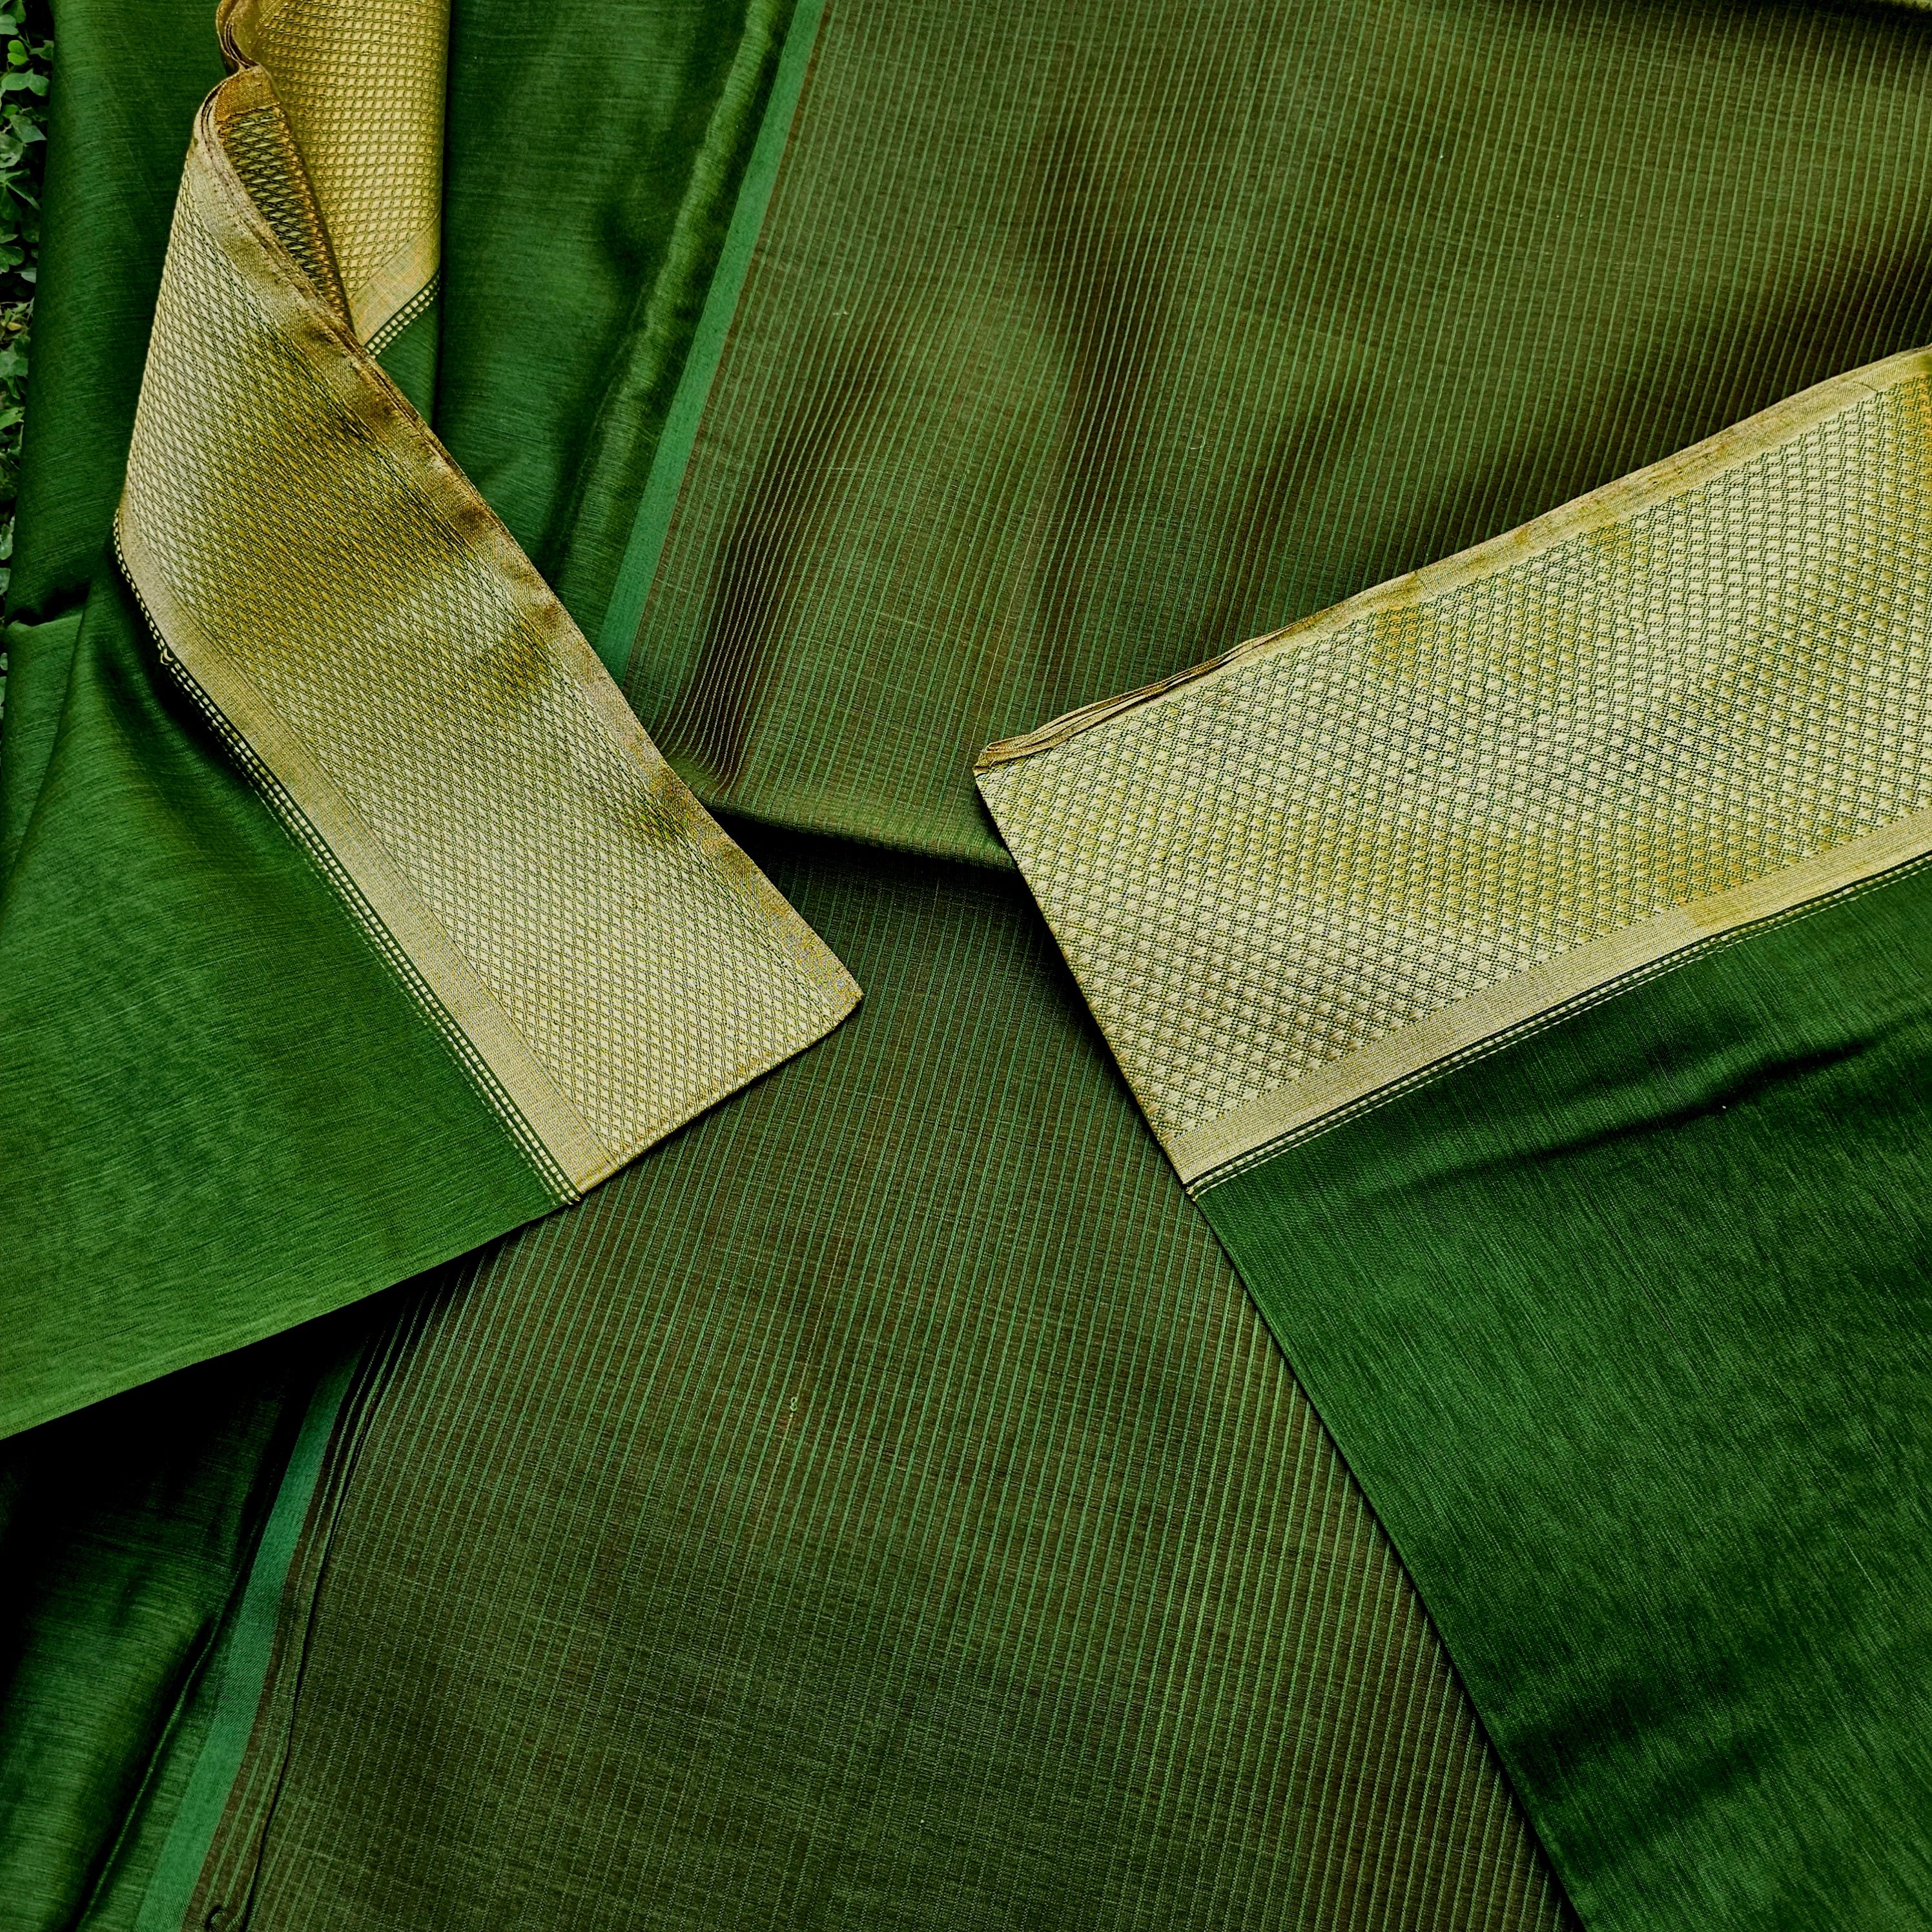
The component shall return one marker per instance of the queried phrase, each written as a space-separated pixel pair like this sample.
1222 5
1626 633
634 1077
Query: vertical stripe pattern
881 1506
1084 340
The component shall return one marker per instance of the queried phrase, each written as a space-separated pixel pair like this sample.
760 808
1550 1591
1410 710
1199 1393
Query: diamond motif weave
362 83
435 724
1679 686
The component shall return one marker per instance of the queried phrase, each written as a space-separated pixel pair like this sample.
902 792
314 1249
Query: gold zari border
416 705
1495 1017
1350 855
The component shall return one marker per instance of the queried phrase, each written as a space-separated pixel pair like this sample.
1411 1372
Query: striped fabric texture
927 1534
1083 342
882 1505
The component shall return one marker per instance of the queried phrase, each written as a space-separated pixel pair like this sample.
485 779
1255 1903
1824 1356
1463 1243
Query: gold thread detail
1399 832
362 83
419 709
315 848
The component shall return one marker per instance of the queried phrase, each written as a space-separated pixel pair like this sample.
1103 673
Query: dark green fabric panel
1081 343
594 154
159 1861
223 1115
1627 1332
880 1506
124 1533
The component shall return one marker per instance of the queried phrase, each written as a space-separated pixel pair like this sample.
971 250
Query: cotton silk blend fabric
159 929
538 938
881 1505
1121 341
1634 1371
928 1534
1081 342
1523 965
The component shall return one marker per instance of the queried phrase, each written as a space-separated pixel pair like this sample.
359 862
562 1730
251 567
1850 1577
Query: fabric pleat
882 1506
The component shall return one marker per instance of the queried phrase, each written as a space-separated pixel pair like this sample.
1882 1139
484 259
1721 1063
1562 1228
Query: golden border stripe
1582 516
1352 853
1493 1018
416 704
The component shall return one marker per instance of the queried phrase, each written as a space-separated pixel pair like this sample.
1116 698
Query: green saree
888 1495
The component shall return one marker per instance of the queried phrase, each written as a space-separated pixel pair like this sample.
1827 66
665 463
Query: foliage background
23 121
27 31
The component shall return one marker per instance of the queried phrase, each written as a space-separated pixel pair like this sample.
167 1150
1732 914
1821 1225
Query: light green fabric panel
1627 1332
40 658
127 83
222 1115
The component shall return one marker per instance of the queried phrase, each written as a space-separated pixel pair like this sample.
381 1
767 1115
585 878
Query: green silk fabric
159 933
1078 347
1626 1331
223 1115
880 1506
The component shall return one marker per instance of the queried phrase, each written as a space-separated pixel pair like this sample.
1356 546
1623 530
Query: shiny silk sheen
880 1505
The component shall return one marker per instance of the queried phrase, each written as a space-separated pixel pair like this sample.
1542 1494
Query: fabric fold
502 949
1407 830
418 708
1521 963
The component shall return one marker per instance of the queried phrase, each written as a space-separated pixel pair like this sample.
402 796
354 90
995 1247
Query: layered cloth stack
1331 610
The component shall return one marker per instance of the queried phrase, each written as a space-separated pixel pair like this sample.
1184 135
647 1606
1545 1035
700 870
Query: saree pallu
892 1500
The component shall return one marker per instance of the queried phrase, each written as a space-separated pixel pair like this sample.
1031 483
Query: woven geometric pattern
945 1545
1695 679
361 81
300 538
263 147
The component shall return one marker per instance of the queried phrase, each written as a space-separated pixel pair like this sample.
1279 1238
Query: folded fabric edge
1091 765
1545 996
776 989
1524 1280
1595 510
